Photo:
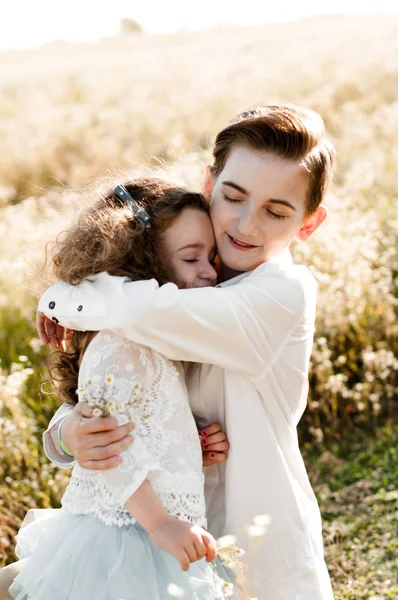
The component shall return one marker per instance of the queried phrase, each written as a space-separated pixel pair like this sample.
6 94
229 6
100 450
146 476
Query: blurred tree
128 25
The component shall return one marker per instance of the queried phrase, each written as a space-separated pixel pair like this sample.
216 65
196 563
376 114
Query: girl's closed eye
211 259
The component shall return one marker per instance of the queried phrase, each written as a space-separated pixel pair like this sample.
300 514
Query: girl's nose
209 272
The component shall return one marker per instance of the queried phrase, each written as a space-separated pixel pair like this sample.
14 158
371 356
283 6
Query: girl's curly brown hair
108 237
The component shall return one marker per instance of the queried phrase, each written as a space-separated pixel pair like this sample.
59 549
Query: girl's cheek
181 273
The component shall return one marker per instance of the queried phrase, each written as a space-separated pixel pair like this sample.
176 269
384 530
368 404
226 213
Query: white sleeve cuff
52 447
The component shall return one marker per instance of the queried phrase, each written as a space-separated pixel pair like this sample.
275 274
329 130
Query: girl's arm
185 541
117 377
239 327
146 507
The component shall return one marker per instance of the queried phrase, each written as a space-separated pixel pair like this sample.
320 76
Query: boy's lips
239 244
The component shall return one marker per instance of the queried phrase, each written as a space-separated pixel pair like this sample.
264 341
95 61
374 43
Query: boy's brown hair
291 132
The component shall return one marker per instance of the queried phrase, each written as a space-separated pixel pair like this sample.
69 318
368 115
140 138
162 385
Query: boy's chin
241 266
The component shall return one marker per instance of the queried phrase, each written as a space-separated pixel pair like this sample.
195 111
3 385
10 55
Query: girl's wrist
61 441
160 521
153 516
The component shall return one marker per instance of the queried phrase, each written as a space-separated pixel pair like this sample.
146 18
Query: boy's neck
225 274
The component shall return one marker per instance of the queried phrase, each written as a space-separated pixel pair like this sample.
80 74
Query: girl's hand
95 442
215 445
186 542
49 332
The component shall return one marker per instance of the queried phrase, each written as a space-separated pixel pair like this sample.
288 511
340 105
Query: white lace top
136 383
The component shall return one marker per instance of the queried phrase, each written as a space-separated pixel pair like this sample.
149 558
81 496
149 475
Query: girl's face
191 244
258 206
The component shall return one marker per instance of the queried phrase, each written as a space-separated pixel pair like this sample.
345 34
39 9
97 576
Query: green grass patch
356 484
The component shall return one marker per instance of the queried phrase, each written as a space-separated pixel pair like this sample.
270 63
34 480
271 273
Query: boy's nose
248 225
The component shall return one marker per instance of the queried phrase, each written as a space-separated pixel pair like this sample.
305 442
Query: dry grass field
70 113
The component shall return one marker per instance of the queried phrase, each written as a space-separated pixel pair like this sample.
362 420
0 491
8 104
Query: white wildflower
262 520
96 391
36 345
225 541
256 531
228 589
112 407
131 413
175 591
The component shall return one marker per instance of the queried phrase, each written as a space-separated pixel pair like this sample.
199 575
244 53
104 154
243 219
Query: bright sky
27 23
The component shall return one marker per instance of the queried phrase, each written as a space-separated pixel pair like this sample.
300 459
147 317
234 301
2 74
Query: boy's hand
95 442
215 445
185 541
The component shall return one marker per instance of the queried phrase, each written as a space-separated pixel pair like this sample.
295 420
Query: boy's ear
208 183
312 223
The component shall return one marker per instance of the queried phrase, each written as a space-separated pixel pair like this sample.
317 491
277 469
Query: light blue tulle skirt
77 557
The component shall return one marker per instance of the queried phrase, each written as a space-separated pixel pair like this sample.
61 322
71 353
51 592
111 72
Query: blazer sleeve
240 327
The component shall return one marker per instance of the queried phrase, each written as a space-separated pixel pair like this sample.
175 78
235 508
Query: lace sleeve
115 379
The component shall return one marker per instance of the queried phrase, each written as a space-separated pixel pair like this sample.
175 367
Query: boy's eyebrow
243 191
236 186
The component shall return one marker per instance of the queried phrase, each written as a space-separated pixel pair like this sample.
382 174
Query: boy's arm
94 442
107 440
240 327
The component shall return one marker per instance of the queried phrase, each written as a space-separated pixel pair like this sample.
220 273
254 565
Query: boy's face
258 206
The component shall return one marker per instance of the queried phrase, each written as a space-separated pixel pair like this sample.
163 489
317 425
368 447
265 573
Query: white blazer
252 337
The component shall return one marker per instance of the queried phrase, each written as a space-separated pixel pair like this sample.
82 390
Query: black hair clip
123 195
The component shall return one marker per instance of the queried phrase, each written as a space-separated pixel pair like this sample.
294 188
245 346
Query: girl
131 532
253 335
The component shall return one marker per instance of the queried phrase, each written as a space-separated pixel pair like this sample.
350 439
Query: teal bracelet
61 443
